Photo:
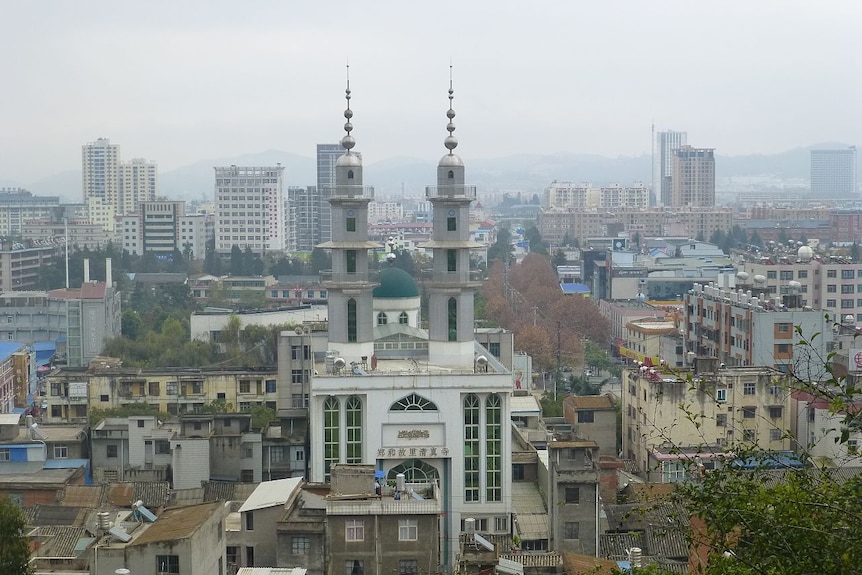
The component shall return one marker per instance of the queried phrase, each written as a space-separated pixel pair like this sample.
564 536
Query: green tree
534 239
320 260
502 248
237 267
14 546
559 258
131 324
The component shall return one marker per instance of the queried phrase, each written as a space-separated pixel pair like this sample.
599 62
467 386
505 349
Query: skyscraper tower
99 164
693 180
351 325
450 330
666 145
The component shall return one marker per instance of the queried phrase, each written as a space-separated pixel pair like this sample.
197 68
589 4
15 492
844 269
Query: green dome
395 283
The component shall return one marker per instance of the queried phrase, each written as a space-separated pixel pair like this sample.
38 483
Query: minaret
351 315
450 313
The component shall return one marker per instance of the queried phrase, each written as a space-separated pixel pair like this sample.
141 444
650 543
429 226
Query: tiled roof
56 515
61 542
153 493
616 545
121 494
228 491
575 564
177 523
670 542
592 401
92 496
187 496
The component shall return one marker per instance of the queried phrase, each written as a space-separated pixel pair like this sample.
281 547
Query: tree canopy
14 547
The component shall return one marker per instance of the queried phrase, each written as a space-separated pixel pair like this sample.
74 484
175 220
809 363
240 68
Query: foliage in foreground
14 547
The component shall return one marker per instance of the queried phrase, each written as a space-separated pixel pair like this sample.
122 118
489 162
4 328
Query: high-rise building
693 179
249 208
666 144
833 173
137 182
303 218
100 162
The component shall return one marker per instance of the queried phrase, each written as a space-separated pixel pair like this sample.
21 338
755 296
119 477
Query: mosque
431 403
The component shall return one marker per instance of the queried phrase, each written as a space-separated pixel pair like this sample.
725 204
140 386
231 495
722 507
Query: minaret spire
451 142
348 142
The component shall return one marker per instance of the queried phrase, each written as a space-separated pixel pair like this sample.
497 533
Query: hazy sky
181 81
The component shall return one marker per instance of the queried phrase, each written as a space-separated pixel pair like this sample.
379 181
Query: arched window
451 175
403 319
415 471
353 408
413 402
330 435
382 319
471 448
349 174
453 319
351 321
493 449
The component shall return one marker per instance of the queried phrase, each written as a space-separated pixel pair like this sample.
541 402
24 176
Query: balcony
348 191
333 277
454 191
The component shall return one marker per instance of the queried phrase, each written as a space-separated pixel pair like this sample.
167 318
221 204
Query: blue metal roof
7 348
575 288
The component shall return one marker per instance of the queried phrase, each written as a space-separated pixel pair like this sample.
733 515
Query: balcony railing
329 276
348 191
453 191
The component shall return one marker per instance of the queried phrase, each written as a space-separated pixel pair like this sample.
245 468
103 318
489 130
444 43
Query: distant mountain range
524 172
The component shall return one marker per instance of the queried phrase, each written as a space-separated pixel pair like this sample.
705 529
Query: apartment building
749 406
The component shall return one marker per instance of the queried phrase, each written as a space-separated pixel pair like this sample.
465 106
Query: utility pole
559 367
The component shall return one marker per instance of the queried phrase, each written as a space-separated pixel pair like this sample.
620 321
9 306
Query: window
4 454
413 402
493 448
774 390
354 567
749 412
831 273
247 452
61 452
244 387
153 388
784 327
803 274
570 530
786 275
381 318
354 530
721 395
775 412
586 416
847 304
246 476
351 321
249 520
847 274
408 566
501 524
163 447
771 275
453 319
471 448
111 450
270 386
494 348
832 288
351 261
721 419
353 409
451 224
451 260
167 564
830 303
403 318
748 388
140 423
848 288
351 224
408 530
775 434
331 429
300 545
104 398
573 495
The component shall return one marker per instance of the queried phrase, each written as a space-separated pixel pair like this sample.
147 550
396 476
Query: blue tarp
575 288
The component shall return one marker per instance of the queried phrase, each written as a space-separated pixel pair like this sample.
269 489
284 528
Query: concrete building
833 173
745 406
376 527
303 218
249 208
741 329
81 234
173 391
816 426
666 144
100 162
573 495
435 405
18 207
579 196
101 213
256 541
21 266
583 224
643 337
828 283
693 180
594 417
137 182
188 540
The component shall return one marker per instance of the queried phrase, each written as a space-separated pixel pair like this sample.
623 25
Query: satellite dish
298 331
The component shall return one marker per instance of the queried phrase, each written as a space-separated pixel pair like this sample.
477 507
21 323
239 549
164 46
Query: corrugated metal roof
62 542
524 404
592 401
91 496
271 493
529 507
